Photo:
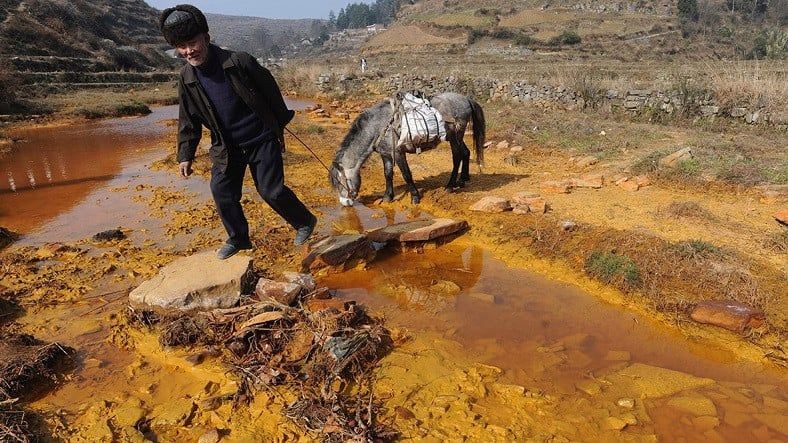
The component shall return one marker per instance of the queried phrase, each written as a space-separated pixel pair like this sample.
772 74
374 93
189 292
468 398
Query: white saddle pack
421 123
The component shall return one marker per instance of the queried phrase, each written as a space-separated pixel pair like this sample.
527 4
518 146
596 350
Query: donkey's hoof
415 199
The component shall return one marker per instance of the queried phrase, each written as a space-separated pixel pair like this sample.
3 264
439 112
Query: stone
325 304
482 296
491 204
615 423
677 157
110 235
516 149
285 293
653 382
568 225
557 187
642 181
337 252
420 230
502 145
695 405
305 280
445 288
594 181
520 209
627 403
728 314
533 202
584 162
618 356
752 117
709 110
738 112
590 387
200 281
211 436
487 144
629 185
782 217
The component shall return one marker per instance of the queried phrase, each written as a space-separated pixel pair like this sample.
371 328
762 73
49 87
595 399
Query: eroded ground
501 336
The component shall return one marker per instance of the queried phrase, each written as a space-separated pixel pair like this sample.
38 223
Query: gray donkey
375 130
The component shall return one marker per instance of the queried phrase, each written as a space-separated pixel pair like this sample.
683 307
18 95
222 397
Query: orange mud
493 343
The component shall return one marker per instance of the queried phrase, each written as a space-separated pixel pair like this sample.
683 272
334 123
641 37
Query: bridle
344 181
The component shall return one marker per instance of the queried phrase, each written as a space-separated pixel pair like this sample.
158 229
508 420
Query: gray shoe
228 250
303 233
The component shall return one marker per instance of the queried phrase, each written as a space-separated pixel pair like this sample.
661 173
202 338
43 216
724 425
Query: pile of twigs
325 356
13 427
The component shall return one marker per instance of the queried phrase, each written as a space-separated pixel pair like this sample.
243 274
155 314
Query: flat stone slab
653 381
728 314
336 251
200 281
492 204
419 230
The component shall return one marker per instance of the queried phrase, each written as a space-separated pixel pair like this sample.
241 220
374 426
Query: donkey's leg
388 172
456 158
402 162
465 175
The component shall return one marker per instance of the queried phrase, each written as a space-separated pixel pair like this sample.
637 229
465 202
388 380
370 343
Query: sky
268 9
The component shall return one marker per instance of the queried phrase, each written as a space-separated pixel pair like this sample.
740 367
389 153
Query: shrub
565 38
474 35
613 268
8 86
501 33
688 10
523 40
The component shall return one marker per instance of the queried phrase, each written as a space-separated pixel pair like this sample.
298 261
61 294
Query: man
239 101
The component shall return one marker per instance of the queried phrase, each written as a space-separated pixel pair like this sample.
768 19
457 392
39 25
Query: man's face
195 50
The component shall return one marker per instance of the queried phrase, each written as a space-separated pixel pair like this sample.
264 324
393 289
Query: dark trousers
267 169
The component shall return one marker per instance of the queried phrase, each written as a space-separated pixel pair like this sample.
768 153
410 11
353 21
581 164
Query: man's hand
186 168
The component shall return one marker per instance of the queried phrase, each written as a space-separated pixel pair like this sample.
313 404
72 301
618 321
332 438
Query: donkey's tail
479 129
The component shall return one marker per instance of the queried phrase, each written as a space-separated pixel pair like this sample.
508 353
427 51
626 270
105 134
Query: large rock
392 233
584 162
491 204
337 252
525 202
728 314
305 280
6 237
677 157
200 281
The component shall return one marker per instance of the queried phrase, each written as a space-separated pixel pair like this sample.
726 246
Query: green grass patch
613 268
696 249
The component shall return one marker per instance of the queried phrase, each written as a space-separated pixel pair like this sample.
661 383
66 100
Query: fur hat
182 23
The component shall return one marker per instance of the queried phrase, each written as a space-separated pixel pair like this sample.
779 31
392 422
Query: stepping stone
653 381
337 251
419 230
594 181
200 281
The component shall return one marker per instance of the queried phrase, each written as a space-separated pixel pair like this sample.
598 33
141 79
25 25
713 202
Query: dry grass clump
777 242
13 426
688 209
750 84
301 77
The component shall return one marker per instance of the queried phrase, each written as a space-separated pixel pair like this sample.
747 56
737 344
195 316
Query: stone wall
655 103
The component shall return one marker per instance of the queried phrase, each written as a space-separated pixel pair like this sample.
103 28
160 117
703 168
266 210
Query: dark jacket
254 85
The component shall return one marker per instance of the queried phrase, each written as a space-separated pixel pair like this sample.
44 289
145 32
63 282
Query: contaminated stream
486 352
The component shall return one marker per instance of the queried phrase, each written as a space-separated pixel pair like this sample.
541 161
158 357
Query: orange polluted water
556 339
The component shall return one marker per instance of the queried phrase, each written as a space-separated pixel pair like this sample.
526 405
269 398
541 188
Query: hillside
264 36
85 35
624 30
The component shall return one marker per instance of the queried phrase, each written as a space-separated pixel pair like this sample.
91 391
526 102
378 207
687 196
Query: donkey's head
346 181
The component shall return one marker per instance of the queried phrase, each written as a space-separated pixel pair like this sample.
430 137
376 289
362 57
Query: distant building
377 27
